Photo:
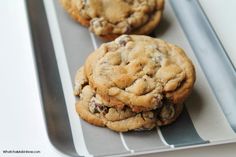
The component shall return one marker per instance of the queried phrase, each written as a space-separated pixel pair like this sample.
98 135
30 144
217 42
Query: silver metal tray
61 46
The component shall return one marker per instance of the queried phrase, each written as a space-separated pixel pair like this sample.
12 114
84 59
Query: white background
22 123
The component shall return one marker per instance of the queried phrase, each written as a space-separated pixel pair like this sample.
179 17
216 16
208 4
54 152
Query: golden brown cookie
109 19
91 110
140 72
91 107
121 120
80 81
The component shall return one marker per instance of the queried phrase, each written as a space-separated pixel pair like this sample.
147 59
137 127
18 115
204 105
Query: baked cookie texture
93 109
134 83
112 18
139 72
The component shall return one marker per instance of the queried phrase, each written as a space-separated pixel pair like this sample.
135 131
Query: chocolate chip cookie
111 18
92 108
133 83
140 72
94 112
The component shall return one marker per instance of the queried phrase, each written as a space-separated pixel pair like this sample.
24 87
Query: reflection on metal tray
62 45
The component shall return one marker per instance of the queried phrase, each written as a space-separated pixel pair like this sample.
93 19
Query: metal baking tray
61 46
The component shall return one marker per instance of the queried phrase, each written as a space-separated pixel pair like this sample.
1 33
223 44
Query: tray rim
69 153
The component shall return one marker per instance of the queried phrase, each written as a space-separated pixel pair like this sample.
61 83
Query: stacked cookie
111 18
134 83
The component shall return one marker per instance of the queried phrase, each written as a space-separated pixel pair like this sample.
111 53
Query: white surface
21 115
222 15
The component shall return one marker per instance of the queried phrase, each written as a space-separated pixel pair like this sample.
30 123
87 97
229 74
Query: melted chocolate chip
122 40
167 112
95 107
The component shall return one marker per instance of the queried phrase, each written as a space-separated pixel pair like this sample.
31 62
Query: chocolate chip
127 29
122 40
92 107
167 112
96 107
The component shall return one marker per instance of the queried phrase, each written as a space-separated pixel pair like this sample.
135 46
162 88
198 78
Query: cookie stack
111 18
134 83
